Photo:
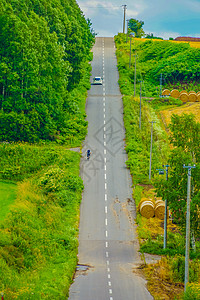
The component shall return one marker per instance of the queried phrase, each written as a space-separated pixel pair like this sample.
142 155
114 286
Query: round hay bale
198 93
160 209
184 97
166 92
192 92
192 97
144 199
175 94
158 201
147 209
198 98
183 91
141 201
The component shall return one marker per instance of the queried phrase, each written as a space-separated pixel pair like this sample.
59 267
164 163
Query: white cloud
132 14
194 35
166 35
92 7
192 5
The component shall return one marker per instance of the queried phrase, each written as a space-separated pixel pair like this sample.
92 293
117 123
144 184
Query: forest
44 71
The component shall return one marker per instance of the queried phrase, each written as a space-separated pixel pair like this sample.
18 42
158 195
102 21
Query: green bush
138 140
192 293
39 237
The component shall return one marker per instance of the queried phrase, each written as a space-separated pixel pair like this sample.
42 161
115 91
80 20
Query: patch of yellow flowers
192 44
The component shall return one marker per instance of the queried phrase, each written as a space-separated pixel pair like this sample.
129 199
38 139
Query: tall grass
7 197
39 237
138 141
138 149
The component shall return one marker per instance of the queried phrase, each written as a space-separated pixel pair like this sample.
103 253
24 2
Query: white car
97 80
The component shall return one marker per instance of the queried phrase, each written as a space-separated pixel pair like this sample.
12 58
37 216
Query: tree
44 50
185 138
151 36
136 27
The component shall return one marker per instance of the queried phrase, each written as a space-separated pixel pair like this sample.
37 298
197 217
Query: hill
178 63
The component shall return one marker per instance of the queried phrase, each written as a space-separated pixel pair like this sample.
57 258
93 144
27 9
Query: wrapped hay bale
160 209
166 92
184 97
141 201
183 91
175 94
192 97
147 208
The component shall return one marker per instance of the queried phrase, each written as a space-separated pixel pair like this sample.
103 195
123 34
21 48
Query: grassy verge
138 140
39 236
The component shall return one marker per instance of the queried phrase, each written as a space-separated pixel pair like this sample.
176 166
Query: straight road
107 240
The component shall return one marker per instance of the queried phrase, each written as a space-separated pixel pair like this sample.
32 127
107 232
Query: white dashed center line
105 179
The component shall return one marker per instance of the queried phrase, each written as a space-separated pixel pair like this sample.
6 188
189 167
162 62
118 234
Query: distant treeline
44 71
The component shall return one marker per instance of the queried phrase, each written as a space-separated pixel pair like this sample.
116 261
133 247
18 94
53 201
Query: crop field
188 108
195 44
192 44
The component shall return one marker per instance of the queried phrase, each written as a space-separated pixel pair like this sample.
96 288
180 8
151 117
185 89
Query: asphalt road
108 246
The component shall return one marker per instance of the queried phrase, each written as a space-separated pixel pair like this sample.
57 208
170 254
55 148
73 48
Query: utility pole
187 244
124 6
135 77
151 148
130 52
165 218
140 104
127 30
160 85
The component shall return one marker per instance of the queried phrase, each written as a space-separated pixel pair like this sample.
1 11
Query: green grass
39 235
138 143
7 197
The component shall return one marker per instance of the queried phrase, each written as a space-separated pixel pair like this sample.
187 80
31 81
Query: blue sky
170 18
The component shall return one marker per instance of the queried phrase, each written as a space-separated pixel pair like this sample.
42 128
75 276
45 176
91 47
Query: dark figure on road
88 154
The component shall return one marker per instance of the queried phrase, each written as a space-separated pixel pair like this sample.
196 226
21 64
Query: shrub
192 292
